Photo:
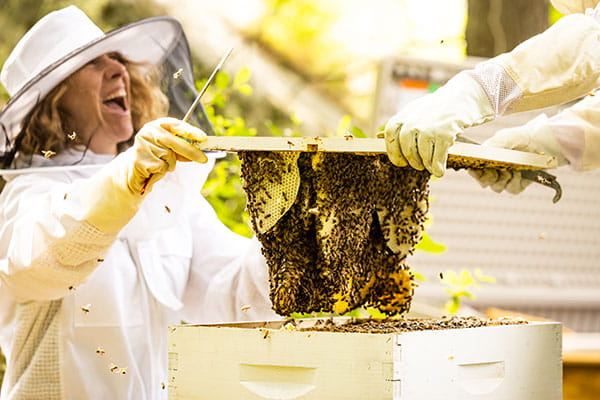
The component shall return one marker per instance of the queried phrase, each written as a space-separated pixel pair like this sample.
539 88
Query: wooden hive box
264 360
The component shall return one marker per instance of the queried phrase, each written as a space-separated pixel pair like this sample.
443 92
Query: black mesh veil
178 84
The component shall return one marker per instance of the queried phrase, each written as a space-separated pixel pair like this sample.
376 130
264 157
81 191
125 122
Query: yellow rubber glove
423 131
113 196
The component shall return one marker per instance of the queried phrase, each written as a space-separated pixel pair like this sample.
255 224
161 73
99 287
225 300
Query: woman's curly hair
46 127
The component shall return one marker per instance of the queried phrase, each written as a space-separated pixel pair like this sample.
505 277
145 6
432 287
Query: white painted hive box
262 361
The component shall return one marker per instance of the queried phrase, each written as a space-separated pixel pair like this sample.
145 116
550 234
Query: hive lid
461 155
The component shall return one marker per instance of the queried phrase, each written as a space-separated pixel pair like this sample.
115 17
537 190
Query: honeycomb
338 237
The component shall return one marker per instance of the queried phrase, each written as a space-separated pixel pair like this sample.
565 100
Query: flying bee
122 371
113 368
167 208
177 74
72 135
48 153
265 332
100 350
245 307
86 308
100 260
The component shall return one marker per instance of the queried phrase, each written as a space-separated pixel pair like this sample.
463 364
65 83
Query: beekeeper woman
101 252
554 67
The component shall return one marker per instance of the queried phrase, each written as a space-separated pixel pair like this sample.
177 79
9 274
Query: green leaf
295 119
464 293
242 77
222 80
466 279
428 245
418 276
274 129
484 278
344 125
452 306
375 313
245 89
357 132
219 100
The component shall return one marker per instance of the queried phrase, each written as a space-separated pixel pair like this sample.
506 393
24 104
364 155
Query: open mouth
116 101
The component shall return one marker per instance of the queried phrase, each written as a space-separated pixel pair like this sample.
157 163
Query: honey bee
48 153
177 74
265 332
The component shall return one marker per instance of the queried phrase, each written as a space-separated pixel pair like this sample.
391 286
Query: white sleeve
229 278
577 130
558 65
44 246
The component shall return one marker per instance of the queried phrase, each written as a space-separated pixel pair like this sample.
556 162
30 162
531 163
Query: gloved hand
536 136
499 180
113 196
423 131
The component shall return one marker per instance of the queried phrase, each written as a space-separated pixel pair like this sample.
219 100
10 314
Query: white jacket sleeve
45 248
577 131
558 65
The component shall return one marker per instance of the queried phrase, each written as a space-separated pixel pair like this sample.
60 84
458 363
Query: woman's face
97 104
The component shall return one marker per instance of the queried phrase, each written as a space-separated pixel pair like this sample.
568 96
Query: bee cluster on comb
342 236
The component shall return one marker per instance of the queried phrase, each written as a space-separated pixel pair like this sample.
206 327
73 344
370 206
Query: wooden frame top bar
460 154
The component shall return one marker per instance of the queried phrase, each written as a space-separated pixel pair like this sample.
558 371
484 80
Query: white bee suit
76 302
556 66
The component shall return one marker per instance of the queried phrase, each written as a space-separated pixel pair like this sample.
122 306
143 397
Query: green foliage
461 285
223 188
553 15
